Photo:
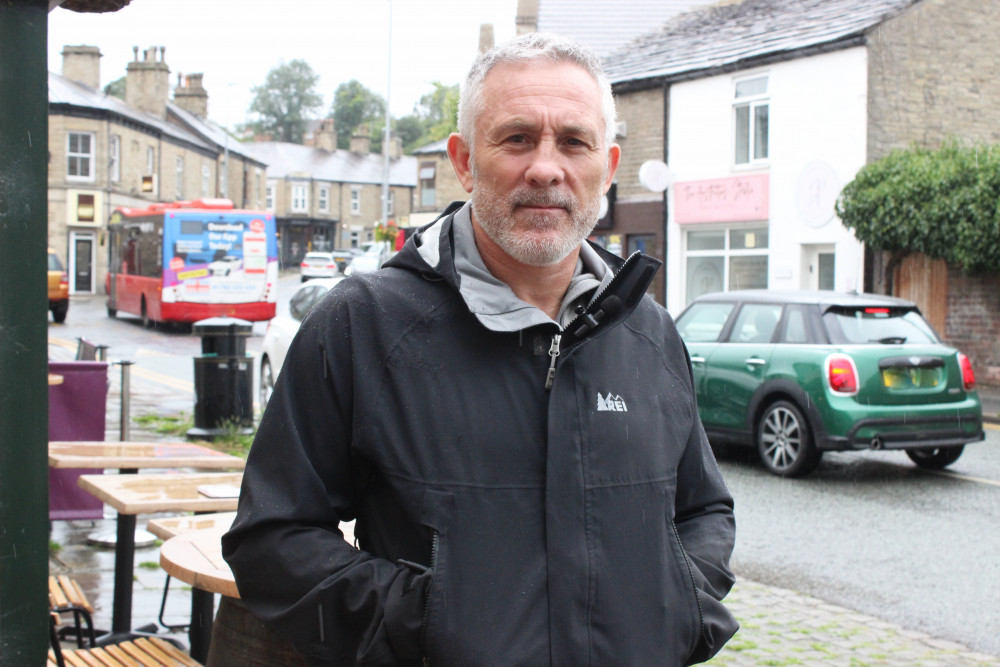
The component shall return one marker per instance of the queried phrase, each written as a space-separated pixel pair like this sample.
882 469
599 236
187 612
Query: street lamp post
387 132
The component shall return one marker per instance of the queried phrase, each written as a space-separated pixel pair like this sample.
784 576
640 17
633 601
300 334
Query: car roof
319 253
825 298
322 282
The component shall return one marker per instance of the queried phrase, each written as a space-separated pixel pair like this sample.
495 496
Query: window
179 184
206 178
725 259
299 202
750 119
257 189
390 208
355 201
427 194
115 158
150 159
324 199
80 156
756 323
269 196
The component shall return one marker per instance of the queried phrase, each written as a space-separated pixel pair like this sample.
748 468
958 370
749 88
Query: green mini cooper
798 373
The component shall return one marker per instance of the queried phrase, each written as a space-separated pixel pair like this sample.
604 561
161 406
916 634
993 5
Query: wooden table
148 493
167 527
136 455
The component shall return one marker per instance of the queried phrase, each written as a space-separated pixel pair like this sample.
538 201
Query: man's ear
458 153
614 157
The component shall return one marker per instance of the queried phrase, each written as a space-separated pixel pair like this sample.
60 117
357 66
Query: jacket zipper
427 602
694 584
553 356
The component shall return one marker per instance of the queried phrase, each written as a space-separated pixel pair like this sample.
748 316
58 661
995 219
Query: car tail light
842 374
331 266
968 377
304 264
64 280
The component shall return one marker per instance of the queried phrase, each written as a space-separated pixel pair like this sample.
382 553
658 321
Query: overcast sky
235 43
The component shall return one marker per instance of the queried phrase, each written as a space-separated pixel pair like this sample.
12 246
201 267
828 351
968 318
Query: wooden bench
66 597
143 652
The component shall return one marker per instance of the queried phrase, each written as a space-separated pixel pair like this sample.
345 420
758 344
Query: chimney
361 139
192 96
83 65
147 81
527 16
395 147
485 37
326 136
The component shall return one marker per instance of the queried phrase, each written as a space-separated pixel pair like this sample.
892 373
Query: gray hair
532 46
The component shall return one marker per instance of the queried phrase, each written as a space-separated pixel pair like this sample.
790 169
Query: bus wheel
112 312
144 316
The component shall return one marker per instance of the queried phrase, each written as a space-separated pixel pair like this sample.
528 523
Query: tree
116 88
286 101
434 117
943 203
353 104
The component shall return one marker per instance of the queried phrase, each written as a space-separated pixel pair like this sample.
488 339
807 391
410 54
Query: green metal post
24 415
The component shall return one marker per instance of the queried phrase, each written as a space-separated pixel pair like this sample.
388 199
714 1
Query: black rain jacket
499 522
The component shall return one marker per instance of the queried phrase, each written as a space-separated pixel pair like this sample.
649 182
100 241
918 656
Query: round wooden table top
195 557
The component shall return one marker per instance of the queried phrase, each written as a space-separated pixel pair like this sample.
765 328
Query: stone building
325 198
105 152
765 109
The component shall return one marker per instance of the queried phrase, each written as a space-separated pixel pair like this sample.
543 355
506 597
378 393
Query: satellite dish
604 208
655 175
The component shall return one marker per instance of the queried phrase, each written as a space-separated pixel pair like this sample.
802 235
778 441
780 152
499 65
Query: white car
283 327
370 260
318 265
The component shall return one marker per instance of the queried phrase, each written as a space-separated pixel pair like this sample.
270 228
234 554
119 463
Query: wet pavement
778 626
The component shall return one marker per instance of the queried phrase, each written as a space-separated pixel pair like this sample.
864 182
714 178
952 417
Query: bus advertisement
191 260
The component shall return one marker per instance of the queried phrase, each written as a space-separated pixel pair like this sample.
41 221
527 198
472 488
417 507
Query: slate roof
727 35
605 26
440 146
287 160
199 133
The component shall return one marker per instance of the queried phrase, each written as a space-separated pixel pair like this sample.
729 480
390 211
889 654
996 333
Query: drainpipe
24 413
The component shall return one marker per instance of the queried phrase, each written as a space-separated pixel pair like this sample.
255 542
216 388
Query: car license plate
911 378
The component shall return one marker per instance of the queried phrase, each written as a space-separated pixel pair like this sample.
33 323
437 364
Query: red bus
190 260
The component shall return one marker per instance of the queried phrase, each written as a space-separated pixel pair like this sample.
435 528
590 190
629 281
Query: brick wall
642 113
931 76
973 323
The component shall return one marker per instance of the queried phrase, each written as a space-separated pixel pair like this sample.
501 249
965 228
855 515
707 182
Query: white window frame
323 203
300 198
115 158
206 179
390 208
78 160
752 103
355 200
258 190
727 253
269 191
150 160
428 183
179 177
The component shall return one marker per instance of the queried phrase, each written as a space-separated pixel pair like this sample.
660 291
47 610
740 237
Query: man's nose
546 167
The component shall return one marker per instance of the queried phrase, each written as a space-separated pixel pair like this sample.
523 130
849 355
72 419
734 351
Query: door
82 263
738 366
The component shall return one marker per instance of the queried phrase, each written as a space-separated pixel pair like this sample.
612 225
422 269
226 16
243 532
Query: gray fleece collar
493 302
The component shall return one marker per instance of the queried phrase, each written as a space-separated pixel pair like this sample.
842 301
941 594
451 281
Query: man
509 418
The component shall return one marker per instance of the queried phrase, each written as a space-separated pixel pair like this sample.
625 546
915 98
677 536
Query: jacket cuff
404 614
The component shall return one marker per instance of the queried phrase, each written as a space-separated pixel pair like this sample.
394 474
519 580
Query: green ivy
943 203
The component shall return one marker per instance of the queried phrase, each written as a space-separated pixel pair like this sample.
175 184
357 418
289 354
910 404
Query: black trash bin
223 379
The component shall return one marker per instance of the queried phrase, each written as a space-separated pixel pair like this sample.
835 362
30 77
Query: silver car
283 327
318 265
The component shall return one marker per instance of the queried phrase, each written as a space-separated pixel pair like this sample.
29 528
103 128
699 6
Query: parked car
370 260
795 374
283 327
342 258
58 288
318 265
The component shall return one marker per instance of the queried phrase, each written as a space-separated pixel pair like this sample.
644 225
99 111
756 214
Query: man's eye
516 139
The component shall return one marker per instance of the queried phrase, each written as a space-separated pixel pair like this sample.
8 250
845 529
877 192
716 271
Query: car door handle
697 360
755 361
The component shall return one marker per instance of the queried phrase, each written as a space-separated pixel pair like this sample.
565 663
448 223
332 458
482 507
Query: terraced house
105 152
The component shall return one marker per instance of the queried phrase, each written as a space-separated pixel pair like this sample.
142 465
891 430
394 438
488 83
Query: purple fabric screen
76 412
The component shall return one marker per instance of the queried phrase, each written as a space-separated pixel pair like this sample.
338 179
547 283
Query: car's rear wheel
266 383
935 458
784 441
